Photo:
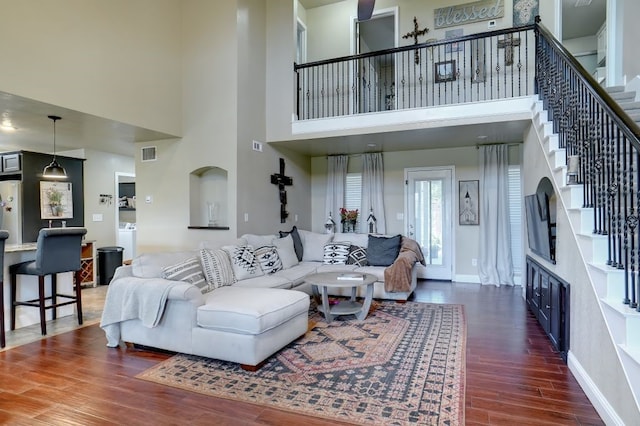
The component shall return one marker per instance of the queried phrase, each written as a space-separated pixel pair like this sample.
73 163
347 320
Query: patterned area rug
404 364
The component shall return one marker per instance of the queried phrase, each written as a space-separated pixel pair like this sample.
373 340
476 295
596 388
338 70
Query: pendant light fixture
54 170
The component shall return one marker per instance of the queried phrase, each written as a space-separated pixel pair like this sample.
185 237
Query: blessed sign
467 13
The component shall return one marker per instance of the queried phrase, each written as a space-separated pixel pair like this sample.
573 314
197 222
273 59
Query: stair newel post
635 257
632 223
619 199
608 188
628 224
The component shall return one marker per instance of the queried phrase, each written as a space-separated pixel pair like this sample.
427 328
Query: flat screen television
540 229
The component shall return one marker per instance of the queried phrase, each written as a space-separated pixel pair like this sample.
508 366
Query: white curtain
372 191
495 262
336 178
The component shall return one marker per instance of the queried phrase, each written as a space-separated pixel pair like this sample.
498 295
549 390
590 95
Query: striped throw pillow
217 268
188 271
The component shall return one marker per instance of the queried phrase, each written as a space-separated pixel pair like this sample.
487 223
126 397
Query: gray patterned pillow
268 259
243 262
188 271
357 256
336 253
217 268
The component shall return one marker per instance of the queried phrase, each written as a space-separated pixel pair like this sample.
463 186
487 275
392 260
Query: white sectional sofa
194 302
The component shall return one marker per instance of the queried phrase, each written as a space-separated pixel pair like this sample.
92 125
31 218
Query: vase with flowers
349 219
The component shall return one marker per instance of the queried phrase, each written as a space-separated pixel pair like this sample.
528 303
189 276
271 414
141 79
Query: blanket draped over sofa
397 277
145 300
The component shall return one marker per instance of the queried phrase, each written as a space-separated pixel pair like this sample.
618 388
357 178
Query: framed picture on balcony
453 47
445 71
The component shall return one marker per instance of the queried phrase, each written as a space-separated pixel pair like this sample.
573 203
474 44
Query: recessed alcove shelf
208 208
213 228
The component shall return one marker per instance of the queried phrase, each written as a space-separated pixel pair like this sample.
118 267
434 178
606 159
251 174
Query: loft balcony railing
522 61
480 67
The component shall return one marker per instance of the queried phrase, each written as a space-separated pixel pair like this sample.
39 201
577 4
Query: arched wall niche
545 187
548 210
208 201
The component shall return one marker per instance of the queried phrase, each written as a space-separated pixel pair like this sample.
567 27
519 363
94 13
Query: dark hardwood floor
513 376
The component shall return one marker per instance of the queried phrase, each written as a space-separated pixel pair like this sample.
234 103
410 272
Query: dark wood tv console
548 298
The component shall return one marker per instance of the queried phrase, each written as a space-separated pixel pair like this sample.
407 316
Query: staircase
608 282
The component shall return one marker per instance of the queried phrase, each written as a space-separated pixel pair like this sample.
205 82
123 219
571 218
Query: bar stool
3 236
58 250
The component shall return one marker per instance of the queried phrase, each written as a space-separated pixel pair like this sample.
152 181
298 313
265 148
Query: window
353 193
515 218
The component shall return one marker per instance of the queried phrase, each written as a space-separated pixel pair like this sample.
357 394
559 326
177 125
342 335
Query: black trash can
109 258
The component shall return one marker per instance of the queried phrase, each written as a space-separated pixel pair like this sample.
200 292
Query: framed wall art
445 71
56 200
468 202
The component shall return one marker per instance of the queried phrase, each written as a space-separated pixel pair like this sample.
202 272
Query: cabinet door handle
548 307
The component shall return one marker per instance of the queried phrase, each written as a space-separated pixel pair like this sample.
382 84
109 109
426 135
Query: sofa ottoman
247 325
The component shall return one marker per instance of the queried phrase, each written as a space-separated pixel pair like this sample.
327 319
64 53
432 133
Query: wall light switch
399 216
295 218
97 217
148 199
246 217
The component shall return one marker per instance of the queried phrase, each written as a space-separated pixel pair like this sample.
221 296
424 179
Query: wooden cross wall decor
415 33
508 43
282 181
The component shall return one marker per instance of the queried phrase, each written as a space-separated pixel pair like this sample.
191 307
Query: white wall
210 113
631 37
99 178
118 59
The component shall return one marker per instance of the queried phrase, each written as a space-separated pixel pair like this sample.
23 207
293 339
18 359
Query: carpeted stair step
623 96
635 116
614 89
630 106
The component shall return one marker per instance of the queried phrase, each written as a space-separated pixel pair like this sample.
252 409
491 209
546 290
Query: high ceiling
77 130
582 21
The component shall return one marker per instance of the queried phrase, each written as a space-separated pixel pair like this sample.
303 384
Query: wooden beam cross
415 33
282 181
508 43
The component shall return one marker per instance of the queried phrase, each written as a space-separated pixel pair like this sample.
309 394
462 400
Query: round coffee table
325 280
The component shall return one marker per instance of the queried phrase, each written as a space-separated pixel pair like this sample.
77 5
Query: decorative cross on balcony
508 43
415 33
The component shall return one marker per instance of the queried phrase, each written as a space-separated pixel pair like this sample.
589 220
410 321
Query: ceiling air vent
149 153
580 3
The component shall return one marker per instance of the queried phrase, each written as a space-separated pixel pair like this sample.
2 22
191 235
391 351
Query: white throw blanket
144 300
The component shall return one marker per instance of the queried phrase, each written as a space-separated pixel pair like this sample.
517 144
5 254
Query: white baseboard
467 279
600 403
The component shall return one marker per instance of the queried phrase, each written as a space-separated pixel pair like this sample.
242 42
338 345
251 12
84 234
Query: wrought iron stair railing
605 142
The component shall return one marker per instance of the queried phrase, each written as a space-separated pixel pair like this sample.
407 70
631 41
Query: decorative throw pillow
188 271
268 259
313 245
255 240
336 253
382 251
217 268
297 241
357 256
286 251
243 262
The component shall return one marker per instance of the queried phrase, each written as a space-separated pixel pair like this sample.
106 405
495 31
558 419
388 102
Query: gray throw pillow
382 251
297 242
